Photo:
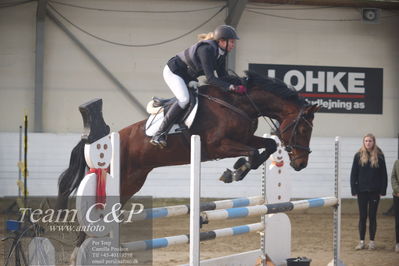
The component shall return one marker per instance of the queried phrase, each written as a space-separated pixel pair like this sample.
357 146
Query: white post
195 194
263 218
337 209
115 184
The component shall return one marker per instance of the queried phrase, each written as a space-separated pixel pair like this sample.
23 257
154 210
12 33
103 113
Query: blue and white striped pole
185 239
177 210
233 213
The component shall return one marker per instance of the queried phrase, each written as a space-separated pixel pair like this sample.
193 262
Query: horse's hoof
240 162
240 173
227 176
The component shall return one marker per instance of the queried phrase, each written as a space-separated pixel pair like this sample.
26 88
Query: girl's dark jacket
369 179
203 58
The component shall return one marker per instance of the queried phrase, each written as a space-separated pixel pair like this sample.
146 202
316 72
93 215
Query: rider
203 58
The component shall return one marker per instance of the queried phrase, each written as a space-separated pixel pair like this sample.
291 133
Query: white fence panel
48 156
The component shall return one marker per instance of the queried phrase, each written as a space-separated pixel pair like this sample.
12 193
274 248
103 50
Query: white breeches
177 86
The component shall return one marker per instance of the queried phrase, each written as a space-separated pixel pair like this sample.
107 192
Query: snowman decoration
278 187
278 190
99 191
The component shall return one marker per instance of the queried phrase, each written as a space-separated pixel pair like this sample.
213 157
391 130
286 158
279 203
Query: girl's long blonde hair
372 156
206 36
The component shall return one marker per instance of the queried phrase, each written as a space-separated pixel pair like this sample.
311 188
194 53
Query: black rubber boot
159 139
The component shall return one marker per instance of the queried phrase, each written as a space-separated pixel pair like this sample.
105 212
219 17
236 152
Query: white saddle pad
155 120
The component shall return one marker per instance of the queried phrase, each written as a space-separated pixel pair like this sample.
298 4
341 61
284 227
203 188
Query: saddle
157 106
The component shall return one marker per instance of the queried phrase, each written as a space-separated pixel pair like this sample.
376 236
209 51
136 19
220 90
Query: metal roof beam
384 4
235 10
101 66
39 66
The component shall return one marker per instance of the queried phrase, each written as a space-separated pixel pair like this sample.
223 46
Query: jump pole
184 209
235 213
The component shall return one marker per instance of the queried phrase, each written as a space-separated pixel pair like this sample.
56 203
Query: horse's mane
273 85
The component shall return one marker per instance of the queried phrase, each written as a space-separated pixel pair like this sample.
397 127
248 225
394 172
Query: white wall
48 156
71 79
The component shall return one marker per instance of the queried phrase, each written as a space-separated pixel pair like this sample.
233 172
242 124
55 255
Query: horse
226 123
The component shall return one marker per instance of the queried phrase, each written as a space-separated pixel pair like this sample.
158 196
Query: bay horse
226 123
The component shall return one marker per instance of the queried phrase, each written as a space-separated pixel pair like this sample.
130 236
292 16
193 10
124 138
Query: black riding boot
159 139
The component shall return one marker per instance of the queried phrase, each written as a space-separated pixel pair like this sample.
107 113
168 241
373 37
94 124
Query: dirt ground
311 237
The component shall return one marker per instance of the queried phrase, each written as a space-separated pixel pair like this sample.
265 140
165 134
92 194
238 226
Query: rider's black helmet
225 32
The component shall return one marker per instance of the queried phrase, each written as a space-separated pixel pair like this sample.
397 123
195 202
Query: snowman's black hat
94 126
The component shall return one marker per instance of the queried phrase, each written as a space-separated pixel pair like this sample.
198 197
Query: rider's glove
240 89
193 84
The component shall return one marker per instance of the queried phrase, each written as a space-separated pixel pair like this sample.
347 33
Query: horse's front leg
268 144
231 148
243 166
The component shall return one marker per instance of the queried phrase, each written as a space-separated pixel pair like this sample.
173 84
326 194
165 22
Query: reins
294 124
226 104
239 111
274 127
244 81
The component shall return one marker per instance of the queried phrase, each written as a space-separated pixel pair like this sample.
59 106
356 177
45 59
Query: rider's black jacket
203 58
368 179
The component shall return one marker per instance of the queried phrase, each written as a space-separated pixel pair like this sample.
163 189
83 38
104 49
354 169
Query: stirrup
159 140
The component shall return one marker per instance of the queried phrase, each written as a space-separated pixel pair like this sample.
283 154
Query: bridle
292 140
294 124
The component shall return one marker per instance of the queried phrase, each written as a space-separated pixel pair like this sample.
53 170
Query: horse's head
275 99
295 131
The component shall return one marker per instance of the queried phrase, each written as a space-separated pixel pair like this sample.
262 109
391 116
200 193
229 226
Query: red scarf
101 184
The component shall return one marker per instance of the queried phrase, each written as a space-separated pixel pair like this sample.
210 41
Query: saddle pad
155 120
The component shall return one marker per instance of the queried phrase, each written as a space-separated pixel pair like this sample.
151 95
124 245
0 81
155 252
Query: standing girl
395 192
368 183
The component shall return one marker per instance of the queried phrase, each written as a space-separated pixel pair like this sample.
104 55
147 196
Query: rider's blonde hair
372 156
206 36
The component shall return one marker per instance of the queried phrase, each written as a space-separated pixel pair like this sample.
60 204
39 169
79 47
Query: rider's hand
240 89
193 84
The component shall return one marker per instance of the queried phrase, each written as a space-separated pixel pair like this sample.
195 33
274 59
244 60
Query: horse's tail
70 179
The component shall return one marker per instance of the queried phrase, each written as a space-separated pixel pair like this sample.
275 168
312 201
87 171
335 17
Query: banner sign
352 90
